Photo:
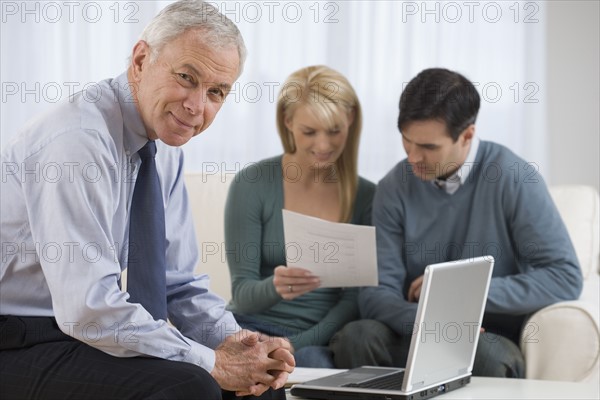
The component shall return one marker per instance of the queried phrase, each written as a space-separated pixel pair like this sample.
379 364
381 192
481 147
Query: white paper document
341 255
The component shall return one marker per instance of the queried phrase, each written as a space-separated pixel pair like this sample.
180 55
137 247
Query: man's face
178 95
431 151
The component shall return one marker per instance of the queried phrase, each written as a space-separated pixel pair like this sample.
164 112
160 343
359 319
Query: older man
69 328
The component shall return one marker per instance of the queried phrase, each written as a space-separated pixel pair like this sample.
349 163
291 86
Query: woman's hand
291 282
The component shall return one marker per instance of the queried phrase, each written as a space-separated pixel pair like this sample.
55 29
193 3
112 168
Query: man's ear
468 134
139 57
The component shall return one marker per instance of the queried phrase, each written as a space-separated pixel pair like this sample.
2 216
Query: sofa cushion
207 194
578 207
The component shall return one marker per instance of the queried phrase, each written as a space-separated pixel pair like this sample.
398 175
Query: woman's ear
351 116
288 123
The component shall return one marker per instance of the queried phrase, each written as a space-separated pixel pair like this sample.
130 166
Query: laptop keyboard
392 381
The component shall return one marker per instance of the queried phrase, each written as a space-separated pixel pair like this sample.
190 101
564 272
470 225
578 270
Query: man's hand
291 282
250 364
414 291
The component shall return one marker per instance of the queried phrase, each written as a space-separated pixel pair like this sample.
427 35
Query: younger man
458 197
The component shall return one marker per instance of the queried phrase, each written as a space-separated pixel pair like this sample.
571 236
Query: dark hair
439 94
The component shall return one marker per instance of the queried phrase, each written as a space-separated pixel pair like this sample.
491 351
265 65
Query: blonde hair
329 95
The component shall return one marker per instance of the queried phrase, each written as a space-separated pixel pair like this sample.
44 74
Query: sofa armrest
562 342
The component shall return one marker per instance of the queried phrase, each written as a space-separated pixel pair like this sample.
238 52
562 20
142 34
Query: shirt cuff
202 356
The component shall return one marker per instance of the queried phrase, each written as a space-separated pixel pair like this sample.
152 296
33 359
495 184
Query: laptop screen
448 321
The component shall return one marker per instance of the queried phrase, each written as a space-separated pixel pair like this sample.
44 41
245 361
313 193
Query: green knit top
255 245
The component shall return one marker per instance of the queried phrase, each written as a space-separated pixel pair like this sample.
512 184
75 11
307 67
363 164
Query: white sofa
560 342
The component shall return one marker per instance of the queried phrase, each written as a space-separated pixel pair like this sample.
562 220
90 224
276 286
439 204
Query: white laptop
442 349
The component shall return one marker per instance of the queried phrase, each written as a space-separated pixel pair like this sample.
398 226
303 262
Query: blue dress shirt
66 188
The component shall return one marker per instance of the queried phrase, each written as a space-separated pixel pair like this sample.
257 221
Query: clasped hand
250 363
292 282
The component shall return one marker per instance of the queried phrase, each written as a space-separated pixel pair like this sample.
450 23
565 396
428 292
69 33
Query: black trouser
38 361
374 343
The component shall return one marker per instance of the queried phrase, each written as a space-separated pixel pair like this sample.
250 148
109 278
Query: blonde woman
319 122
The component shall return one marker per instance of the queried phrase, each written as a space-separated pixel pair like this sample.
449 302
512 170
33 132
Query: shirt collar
459 177
134 131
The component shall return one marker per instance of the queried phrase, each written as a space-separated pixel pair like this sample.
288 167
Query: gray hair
182 15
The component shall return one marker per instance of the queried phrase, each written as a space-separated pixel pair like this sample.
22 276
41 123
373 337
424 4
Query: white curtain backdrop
52 49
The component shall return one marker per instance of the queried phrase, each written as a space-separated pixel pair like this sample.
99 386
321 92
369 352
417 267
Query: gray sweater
255 246
503 209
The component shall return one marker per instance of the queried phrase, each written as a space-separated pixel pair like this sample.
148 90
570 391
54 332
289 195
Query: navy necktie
146 276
